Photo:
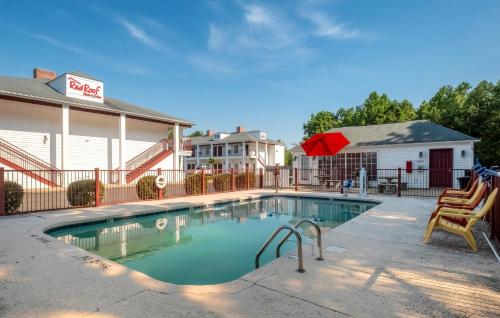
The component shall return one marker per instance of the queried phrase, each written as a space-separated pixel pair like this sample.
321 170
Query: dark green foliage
14 194
146 188
82 192
192 184
222 182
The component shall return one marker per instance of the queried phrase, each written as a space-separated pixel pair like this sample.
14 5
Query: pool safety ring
160 182
161 224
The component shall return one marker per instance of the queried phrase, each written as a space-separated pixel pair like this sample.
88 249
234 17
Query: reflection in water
208 245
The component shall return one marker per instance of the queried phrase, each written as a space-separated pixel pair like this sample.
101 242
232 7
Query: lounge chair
464 202
462 222
466 193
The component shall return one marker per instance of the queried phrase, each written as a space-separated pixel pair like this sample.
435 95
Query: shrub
241 183
14 194
82 192
222 182
192 183
146 188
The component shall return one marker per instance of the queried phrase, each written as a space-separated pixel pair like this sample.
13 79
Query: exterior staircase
28 164
147 159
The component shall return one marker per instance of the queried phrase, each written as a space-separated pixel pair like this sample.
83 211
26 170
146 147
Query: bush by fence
241 180
146 188
14 194
222 182
192 184
82 192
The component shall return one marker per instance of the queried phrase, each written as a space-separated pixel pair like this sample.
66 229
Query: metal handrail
271 238
318 236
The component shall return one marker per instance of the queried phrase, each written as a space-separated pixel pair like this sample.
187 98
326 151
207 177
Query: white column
227 155
243 154
267 156
176 146
65 138
122 137
197 155
257 157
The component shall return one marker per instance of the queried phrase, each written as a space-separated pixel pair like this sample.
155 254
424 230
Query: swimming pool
208 245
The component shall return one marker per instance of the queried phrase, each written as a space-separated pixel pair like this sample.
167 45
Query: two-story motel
236 150
67 122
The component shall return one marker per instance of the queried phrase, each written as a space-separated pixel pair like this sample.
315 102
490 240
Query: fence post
399 182
247 177
2 192
233 184
261 178
203 182
276 175
160 191
97 187
296 177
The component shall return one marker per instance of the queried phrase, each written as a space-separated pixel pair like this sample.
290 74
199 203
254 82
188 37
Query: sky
264 65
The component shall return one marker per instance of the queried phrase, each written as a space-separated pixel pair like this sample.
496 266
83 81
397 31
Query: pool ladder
292 231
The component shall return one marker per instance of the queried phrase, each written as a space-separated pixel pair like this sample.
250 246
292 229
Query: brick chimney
210 133
41 73
240 129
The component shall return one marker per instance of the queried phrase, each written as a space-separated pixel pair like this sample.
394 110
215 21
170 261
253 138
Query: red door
440 167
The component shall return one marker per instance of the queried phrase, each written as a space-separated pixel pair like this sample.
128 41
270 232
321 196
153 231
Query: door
440 167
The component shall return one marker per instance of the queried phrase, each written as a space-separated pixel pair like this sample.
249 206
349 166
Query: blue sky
263 65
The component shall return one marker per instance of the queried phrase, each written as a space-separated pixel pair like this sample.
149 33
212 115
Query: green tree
212 162
319 122
196 133
288 157
472 111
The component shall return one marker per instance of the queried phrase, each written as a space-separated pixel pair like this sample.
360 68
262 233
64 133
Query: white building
236 150
430 152
67 122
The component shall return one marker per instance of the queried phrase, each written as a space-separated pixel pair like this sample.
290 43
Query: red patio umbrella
325 144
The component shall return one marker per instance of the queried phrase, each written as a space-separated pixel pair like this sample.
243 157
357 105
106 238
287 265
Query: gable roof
232 138
409 132
38 89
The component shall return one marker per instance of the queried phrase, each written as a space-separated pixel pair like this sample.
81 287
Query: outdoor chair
461 202
465 193
347 185
461 221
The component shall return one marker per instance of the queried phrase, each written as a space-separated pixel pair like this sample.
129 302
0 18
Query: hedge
192 183
241 183
14 194
82 192
222 182
147 190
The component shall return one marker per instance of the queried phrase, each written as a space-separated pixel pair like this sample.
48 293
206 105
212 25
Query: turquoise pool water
205 245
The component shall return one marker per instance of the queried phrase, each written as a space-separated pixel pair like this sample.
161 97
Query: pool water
206 245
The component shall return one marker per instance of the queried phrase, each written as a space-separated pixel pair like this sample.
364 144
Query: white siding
35 129
141 135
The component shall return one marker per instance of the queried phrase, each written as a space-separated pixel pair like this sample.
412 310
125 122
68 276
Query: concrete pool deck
375 266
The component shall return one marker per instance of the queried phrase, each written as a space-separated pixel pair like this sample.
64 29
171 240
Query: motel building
67 122
429 155
237 150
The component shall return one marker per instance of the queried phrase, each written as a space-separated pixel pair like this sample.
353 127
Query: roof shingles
38 89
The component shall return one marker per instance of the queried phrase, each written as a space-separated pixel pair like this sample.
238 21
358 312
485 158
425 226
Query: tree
472 111
288 157
196 133
319 122
212 162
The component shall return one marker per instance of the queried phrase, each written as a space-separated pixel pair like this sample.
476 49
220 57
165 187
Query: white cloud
327 27
211 64
139 34
258 15
216 37
113 64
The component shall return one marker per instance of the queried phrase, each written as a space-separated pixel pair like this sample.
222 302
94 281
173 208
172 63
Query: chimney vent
240 129
210 133
41 73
